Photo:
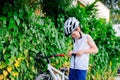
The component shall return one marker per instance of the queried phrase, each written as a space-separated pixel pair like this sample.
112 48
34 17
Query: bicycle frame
55 73
51 69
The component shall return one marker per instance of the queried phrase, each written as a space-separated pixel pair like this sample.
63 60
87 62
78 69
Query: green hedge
23 34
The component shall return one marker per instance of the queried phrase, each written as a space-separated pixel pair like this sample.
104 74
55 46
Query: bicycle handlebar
41 56
55 55
61 55
73 54
50 56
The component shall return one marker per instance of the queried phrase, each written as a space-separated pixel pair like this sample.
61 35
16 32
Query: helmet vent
70 29
67 29
71 23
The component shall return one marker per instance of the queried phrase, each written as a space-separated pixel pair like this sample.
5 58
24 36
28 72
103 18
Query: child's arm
93 48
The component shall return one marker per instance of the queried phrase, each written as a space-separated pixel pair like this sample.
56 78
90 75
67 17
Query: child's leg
81 74
72 74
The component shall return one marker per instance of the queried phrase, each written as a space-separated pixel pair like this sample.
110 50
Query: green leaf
17 19
12 59
10 13
2 18
11 23
7 55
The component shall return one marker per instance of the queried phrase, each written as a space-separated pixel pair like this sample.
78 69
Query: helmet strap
80 35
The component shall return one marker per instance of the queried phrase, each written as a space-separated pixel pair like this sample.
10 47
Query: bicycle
118 74
52 73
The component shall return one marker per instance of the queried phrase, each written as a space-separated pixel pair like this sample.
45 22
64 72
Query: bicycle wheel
44 77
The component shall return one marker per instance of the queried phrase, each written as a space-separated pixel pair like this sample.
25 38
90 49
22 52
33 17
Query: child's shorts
76 74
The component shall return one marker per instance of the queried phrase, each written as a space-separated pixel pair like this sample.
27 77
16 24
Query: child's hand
79 53
70 53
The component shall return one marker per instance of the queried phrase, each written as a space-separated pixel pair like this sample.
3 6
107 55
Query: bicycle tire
44 77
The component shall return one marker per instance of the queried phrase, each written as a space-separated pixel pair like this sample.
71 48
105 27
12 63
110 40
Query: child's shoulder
88 36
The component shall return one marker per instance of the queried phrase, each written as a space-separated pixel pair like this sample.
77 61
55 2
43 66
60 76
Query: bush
23 35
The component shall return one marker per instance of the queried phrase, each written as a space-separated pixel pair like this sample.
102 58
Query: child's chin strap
80 35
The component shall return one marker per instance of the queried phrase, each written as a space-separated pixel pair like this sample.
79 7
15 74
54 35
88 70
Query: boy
83 46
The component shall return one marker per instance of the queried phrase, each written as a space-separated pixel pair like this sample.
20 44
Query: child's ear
79 28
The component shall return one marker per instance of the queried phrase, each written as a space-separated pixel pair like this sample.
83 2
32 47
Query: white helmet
70 25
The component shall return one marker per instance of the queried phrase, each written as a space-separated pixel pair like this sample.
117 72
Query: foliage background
27 29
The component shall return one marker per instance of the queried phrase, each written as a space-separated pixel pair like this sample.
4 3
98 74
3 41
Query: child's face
75 33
